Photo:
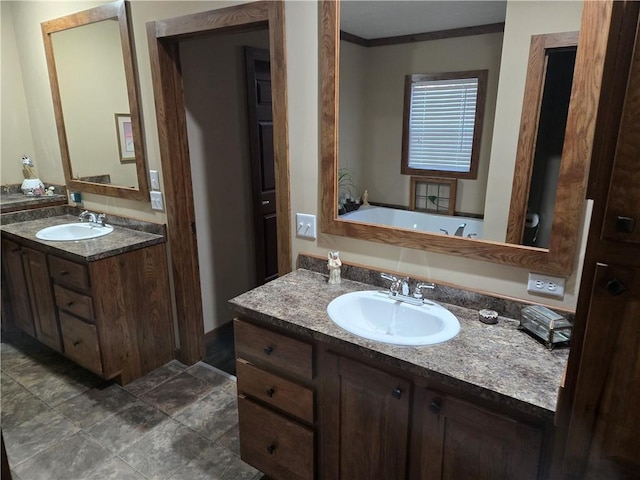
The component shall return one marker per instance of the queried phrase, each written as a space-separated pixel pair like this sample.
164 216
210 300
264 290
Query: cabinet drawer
279 447
74 302
80 340
266 348
276 391
69 274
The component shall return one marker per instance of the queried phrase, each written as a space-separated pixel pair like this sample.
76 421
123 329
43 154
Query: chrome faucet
87 215
417 292
460 230
399 290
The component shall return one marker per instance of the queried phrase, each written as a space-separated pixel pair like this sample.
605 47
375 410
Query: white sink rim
346 312
72 232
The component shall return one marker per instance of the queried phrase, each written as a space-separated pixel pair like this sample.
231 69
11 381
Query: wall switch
156 201
155 179
540 284
305 225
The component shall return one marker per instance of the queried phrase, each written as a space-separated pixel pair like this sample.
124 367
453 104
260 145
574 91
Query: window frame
472 174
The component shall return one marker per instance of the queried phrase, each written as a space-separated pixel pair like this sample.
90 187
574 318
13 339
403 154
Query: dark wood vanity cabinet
275 402
456 439
370 422
112 316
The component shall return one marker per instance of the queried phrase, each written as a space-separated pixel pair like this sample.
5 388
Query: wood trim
423 37
531 104
472 174
559 258
119 10
164 37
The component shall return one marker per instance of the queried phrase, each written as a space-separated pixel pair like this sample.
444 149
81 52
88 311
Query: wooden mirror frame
578 143
115 10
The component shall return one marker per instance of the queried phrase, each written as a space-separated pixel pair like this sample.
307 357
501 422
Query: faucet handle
396 284
417 293
100 219
84 214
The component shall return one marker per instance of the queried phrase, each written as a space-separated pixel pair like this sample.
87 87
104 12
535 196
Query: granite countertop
496 362
14 201
119 241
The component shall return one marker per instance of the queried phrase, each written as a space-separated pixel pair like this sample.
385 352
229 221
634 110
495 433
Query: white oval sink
73 231
373 315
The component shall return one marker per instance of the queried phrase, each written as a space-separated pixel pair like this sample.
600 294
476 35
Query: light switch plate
305 225
157 202
155 179
541 284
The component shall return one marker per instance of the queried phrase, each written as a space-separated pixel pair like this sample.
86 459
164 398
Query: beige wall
215 95
16 136
523 20
302 75
382 87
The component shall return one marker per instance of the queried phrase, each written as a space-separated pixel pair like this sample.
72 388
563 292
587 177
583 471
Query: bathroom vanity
318 402
103 303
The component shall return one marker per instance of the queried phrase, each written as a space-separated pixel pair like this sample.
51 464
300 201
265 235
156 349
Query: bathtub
425 222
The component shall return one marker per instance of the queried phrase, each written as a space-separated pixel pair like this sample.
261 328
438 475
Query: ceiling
378 19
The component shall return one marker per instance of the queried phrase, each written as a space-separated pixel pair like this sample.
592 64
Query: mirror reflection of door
262 162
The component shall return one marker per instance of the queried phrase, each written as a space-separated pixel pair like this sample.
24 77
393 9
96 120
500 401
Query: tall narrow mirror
94 89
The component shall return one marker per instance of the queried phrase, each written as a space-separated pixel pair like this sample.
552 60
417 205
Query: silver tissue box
546 326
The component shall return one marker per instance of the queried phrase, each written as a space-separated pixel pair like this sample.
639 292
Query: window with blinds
443 123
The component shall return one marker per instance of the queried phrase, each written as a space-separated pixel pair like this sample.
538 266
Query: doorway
164 49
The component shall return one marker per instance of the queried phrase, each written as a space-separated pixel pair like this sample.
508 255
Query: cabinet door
17 286
460 440
365 421
41 296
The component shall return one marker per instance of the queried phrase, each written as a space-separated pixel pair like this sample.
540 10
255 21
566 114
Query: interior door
263 178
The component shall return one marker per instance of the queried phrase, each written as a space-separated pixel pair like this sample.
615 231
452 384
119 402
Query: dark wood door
41 298
460 440
263 178
16 287
365 421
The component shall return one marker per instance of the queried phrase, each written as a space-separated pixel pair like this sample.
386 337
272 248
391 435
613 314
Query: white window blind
441 124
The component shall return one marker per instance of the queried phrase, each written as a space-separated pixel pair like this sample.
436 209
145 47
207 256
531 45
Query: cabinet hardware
397 393
625 224
615 287
76 343
435 406
69 304
270 392
268 350
63 273
271 448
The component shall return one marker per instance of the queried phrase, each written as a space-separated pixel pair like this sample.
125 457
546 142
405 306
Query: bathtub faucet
460 230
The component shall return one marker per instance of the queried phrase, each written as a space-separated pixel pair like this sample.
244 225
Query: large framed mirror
363 75
94 88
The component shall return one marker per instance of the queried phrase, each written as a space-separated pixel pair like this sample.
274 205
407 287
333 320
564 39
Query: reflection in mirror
381 44
361 124
95 100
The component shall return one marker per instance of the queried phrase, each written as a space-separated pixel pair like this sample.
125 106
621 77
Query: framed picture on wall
124 132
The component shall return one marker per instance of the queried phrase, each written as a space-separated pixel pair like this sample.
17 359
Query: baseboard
213 335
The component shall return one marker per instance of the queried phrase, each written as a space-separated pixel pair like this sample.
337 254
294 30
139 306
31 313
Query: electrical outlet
155 179
306 225
548 285
156 201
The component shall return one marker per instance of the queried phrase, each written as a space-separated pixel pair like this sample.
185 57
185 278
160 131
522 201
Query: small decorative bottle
334 265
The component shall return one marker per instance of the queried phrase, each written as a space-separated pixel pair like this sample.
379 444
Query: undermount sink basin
373 315
73 231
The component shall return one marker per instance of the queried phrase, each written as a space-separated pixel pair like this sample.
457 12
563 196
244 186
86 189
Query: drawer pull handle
64 273
69 304
270 392
625 224
76 343
268 350
271 448
397 393
435 406
615 287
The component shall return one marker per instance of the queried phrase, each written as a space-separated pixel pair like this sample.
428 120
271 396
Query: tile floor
61 422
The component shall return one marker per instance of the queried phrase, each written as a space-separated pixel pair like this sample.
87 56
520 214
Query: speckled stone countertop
121 240
15 201
497 362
